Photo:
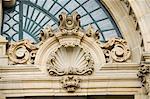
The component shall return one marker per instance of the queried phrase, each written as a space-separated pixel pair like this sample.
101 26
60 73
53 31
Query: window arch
28 17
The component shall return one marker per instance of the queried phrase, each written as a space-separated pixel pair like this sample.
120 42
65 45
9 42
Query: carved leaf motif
70 60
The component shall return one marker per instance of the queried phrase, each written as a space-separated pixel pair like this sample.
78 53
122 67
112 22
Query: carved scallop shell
70 61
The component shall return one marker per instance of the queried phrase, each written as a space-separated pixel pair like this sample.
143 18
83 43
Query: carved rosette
22 52
143 75
70 83
116 50
70 61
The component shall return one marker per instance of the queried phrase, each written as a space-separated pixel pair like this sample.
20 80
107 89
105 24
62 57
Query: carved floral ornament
69 52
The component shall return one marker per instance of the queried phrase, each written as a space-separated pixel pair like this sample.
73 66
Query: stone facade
118 67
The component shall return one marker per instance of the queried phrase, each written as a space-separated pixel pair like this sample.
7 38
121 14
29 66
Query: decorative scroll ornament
69 24
70 61
116 50
91 33
22 52
46 33
143 75
70 83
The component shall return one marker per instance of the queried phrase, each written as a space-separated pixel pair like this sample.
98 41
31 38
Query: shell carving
70 61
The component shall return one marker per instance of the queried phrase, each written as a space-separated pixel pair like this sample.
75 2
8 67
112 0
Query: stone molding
20 80
131 13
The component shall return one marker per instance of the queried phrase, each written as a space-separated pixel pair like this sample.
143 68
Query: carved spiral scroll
116 50
22 52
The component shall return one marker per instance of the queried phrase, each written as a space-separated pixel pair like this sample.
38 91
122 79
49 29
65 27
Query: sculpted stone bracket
70 51
143 75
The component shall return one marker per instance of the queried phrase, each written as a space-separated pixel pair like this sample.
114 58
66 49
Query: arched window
28 17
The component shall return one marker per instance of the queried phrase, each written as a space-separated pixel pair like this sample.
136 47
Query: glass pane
28 17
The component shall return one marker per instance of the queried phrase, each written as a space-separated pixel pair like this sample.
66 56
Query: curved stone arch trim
52 44
126 25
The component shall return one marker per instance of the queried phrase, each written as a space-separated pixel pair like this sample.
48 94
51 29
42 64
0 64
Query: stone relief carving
70 61
70 83
71 58
46 33
143 75
22 52
91 33
116 50
69 24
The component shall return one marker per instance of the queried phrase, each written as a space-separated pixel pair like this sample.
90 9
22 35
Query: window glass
28 17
